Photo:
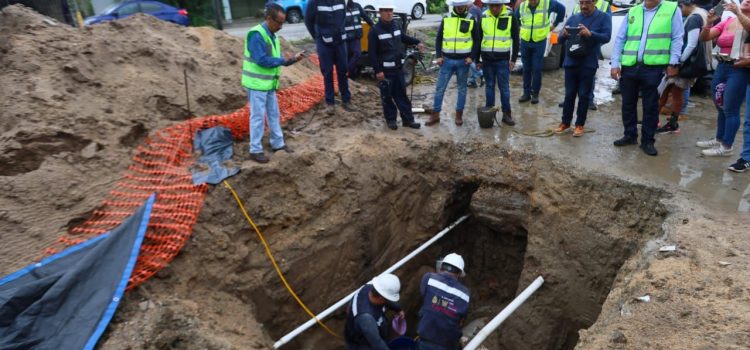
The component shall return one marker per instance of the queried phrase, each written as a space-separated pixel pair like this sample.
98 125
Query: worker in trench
444 307
366 326
260 77
386 52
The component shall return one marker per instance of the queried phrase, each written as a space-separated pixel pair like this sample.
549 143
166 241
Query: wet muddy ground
679 161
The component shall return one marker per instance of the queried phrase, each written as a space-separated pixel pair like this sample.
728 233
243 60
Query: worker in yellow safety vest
499 53
639 59
534 16
456 47
260 77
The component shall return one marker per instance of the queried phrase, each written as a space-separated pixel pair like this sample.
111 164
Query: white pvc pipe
490 327
291 335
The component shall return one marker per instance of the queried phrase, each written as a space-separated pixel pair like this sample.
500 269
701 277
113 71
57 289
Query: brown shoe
434 119
459 118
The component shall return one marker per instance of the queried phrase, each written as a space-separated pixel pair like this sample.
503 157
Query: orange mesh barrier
161 164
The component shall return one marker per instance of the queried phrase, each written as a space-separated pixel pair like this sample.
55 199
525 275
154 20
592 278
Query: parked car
129 8
415 8
295 9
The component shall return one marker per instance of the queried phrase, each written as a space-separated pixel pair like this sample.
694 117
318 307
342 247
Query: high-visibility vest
255 76
601 5
534 27
496 40
455 41
658 38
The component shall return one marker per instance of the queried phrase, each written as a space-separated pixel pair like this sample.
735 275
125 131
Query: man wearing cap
535 27
326 22
499 53
386 52
456 47
639 58
354 17
445 306
366 326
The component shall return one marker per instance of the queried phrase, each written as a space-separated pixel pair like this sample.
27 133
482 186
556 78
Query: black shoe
669 128
508 119
524 98
481 81
284 148
534 99
740 166
561 104
472 84
392 125
259 157
649 149
593 107
412 124
625 141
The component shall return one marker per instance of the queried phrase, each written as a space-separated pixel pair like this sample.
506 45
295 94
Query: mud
355 197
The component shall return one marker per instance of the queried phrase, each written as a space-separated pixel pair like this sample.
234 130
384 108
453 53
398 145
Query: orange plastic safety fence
161 164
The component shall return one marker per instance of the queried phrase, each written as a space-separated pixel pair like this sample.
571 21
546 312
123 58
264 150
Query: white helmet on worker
459 2
495 2
387 5
454 262
388 286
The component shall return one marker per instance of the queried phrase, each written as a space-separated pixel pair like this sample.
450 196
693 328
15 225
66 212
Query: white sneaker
708 144
720 151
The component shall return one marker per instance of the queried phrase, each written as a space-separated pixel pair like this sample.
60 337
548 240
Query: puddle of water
678 163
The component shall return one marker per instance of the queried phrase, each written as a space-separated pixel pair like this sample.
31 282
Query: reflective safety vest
445 303
360 304
330 20
255 76
658 38
534 27
496 36
601 5
457 34
353 25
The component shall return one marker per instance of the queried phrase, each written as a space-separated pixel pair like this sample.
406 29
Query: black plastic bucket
486 116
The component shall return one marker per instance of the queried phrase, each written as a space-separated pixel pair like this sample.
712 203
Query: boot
534 98
434 119
459 118
508 119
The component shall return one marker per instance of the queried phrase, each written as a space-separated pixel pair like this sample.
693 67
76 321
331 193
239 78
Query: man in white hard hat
445 306
366 326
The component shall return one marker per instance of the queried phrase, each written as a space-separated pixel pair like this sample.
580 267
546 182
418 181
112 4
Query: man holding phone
260 77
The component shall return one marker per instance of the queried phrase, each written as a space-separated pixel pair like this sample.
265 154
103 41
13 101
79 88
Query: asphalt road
298 31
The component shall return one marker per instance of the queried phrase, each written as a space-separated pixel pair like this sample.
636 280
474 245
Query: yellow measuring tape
273 261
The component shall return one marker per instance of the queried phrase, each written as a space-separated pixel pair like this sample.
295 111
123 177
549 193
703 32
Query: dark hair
273 10
450 268
375 293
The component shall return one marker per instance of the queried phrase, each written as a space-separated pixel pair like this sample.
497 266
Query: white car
416 8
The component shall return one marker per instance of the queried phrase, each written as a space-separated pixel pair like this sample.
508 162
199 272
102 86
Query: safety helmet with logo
388 286
452 263
387 5
496 2
459 2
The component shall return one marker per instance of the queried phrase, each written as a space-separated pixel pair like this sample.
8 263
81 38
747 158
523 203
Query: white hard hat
495 2
455 260
458 2
388 286
386 5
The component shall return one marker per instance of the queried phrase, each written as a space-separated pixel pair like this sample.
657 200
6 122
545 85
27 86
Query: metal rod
490 327
291 335
187 93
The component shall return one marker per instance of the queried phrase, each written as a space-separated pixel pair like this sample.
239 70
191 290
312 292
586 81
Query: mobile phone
719 9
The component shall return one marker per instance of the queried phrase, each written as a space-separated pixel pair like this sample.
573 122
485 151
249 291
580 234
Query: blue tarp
66 301
215 145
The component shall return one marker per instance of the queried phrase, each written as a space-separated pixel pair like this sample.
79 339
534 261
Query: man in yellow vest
499 53
260 77
535 27
456 47
639 59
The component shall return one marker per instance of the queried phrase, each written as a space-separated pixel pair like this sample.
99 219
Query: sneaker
578 132
740 166
713 143
720 151
669 129
330 109
259 157
348 107
524 98
562 128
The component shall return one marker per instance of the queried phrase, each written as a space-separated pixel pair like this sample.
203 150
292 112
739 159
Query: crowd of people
659 52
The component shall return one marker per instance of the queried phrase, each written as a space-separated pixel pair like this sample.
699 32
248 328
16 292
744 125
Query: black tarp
66 301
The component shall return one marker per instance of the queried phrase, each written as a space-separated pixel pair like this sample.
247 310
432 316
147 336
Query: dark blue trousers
532 57
354 50
645 79
394 99
330 55
579 82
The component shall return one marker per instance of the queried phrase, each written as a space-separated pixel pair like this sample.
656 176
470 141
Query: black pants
645 79
394 98
579 82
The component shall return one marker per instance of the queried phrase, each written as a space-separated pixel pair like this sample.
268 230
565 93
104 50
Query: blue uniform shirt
359 307
261 52
600 26
326 20
446 303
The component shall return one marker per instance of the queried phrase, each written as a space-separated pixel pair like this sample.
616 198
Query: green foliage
436 6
